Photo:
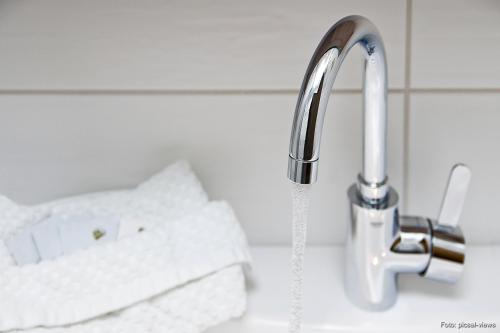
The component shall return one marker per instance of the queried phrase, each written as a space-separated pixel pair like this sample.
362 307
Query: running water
300 201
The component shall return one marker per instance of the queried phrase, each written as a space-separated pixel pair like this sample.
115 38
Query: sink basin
422 306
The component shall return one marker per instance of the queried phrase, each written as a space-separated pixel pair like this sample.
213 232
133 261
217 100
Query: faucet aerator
302 172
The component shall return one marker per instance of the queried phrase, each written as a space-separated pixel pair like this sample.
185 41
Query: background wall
98 95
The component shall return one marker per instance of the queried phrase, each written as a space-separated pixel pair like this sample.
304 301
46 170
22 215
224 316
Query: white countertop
422 305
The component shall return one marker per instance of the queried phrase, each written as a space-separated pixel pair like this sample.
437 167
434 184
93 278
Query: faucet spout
314 95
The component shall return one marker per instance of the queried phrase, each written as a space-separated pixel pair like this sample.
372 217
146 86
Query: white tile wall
55 146
100 94
455 44
180 44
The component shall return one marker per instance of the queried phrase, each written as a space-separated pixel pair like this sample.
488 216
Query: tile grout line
219 92
166 92
454 90
406 106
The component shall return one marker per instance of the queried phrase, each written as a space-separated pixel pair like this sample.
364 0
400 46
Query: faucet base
368 281
380 245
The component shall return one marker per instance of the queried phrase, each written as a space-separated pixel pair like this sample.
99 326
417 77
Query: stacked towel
181 273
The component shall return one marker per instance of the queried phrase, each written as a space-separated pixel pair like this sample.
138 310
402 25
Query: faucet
380 243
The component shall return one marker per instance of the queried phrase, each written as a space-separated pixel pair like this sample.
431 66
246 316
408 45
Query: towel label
22 247
55 236
46 237
83 233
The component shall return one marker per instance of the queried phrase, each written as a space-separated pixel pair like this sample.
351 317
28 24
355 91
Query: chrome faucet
380 243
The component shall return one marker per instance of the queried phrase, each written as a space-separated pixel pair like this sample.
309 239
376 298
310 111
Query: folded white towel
182 273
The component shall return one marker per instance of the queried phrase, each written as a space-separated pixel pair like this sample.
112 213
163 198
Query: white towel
182 273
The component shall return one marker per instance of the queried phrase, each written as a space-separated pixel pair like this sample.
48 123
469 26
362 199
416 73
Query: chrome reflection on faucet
380 243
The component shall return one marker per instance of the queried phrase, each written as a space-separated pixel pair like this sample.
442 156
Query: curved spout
313 99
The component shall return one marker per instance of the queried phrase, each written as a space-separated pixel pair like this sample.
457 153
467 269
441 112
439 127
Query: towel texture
181 272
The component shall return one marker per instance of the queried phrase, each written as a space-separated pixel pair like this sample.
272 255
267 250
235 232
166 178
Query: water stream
300 202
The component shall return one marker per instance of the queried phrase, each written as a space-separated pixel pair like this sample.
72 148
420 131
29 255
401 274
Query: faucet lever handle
454 196
447 242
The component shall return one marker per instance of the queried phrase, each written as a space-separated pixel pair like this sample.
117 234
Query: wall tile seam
166 92
406 105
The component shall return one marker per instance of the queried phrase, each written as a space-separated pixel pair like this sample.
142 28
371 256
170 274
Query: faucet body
380 243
